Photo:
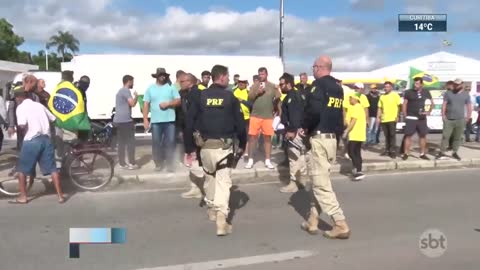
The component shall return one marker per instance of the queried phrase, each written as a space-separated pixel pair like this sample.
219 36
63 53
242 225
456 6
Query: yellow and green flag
66 103
429 81
141 102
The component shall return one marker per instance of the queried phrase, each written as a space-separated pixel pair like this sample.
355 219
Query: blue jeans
372 131
37 150
163 143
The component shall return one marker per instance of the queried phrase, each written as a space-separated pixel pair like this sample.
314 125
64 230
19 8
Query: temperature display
422 23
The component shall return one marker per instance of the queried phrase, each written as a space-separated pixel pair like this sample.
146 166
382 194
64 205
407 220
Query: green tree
65 42
9 42
54 61
24 57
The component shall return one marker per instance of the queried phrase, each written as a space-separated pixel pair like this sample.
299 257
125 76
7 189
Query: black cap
85 79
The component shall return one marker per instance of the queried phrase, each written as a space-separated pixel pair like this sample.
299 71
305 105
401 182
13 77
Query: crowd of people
312 121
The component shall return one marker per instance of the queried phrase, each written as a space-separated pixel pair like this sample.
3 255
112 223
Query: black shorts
412 126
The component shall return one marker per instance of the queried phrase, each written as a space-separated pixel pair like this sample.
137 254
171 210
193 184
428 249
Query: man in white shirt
34 120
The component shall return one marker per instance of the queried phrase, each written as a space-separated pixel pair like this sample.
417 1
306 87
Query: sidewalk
373 162
470 154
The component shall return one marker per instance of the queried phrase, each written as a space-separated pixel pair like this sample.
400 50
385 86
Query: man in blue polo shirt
160 100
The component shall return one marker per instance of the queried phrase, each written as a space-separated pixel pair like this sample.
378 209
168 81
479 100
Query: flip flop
17 202
65 199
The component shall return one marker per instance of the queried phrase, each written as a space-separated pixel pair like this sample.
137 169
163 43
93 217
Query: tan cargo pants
322 155
217 182
62 135
297 161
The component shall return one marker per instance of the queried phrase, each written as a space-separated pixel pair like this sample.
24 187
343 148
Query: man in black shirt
291 118
323 122
218 119
416 117
373 98
189 93
83 85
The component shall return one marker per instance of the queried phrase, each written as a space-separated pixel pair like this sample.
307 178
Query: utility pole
46 59
282 19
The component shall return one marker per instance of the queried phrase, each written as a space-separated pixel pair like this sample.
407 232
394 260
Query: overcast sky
360 35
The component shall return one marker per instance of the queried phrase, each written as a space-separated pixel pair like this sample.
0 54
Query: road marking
236 262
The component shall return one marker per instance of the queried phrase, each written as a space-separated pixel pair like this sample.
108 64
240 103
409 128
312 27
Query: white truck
106 73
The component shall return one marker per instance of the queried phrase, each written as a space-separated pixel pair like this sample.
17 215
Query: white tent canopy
8 71
446 66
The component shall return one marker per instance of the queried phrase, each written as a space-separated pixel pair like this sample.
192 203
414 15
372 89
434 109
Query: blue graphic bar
119 235
80 236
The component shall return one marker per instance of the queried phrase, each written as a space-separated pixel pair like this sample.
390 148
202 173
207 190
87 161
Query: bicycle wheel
9 176
90 170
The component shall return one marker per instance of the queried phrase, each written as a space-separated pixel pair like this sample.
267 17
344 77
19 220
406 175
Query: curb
263 175
258 175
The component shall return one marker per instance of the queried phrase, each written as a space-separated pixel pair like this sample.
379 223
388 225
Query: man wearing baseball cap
360 89
356 132
456 113
241 93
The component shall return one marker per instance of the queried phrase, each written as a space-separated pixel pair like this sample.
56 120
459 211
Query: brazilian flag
429 81
400 84
66 103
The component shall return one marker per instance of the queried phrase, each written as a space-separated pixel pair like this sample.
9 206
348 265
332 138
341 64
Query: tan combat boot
340 231
223 228
193 193
311 225
290 188
212 214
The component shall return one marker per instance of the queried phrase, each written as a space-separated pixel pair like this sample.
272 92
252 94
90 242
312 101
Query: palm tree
65 42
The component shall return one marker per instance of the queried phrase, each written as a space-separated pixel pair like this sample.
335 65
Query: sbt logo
433 243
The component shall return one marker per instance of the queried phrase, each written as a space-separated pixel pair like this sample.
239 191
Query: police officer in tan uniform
218 117
323 123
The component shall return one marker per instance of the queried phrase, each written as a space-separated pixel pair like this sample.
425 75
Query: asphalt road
387 215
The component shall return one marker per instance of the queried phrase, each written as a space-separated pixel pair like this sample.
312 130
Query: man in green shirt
264 95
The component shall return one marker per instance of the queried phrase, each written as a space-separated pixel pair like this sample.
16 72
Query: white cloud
218 31
421 7
367 5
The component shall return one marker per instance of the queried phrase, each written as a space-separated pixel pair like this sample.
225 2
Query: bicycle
9 182
86 164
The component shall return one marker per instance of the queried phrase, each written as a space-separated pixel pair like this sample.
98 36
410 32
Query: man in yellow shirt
241 93
388 109
206 76
356 133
